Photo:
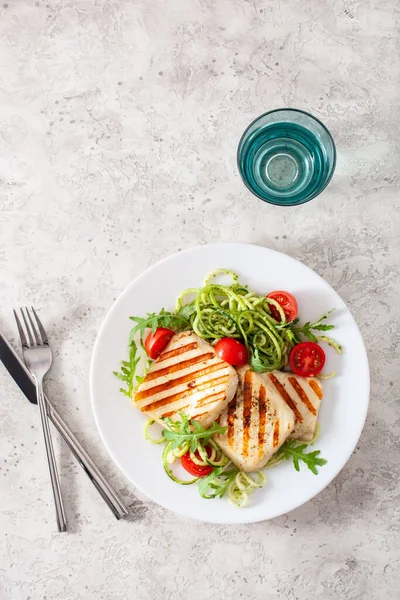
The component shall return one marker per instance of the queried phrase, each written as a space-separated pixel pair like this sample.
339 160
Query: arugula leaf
287 326
291 450
151 321
258 361
128 369
324 317
187 311
218 481
309 335
186 430
295 334
154 320
323 327
256 364
318 326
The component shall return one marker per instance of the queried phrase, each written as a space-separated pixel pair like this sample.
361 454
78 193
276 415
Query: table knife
24 380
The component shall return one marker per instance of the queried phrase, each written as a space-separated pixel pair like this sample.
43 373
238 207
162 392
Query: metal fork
38 358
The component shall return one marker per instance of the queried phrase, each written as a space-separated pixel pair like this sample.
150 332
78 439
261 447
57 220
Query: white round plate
343 410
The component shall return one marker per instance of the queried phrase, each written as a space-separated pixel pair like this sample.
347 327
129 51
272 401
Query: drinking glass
286 157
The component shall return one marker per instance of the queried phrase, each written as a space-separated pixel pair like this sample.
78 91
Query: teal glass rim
280 202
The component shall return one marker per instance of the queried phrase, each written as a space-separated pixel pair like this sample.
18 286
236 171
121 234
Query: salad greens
186 430
228 311
291 449
219 311
185 435
153 320
126 374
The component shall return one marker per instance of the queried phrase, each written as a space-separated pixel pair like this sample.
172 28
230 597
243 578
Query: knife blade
25 382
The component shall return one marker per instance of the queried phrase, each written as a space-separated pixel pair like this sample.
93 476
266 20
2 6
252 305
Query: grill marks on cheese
187 376
285 396
316 387
303 395
267 409
260 411
262 415
258 422
190 379
177 351
231 421
247 407
275 436
180 366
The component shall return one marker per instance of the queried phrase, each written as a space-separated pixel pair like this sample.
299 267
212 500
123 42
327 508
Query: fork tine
31 342
41 328
20 330
35 331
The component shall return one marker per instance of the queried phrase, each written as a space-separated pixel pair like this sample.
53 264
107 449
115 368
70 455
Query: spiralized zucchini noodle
325 376
226 478
233 311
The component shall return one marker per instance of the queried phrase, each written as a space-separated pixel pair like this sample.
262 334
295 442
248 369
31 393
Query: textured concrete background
119 122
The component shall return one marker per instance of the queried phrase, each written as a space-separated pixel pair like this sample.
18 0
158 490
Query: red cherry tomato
307 359
156 342
287 302
192 468
232 351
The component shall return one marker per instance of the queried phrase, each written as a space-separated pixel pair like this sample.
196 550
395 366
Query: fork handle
55 480
106 491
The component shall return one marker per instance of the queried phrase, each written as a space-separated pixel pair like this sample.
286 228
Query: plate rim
95 351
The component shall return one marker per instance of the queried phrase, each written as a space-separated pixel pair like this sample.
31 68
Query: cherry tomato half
307 359
156 342
288 303
232 351
192 468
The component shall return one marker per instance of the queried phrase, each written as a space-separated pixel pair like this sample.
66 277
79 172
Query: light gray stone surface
119 122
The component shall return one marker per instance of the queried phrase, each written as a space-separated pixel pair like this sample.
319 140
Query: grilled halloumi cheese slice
258 422
303 395
188 376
